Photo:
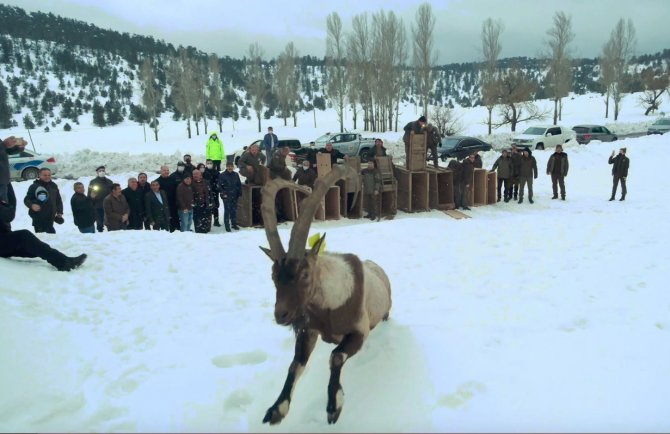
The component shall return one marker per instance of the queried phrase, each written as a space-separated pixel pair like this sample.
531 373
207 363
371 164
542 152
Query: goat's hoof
275 414
334 415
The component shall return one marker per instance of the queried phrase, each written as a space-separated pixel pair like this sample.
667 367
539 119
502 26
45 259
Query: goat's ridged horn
300 231
269 213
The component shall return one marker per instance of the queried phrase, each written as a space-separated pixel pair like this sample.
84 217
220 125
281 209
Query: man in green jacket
215 150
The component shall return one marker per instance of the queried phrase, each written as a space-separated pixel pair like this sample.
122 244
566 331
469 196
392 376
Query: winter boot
611 198
234 225
216 221
530 200
66 263
554 197
520 200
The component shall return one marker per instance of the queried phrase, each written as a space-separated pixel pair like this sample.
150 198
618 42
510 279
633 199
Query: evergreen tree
5 110
98 114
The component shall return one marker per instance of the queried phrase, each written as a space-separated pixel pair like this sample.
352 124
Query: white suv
543 136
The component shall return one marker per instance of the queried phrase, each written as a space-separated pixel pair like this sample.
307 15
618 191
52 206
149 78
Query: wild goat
337 296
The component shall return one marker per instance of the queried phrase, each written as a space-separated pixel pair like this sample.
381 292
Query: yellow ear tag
311 241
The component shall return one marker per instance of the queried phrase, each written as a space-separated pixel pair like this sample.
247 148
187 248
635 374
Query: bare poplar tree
287 83
361 74
215 88
255 82
184 94
560 61
151 96
389 55
491 49
622 47
606 74
424 55
337 85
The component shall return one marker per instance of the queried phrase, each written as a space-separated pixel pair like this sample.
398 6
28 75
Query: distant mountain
54 69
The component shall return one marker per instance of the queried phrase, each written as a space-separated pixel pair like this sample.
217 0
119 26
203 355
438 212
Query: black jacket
49 209
7 212
102 188
169 186
334 155
135 201
157 213
83 210
230 185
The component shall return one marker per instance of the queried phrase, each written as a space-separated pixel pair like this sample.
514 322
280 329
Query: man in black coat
334 153
211 175
157 208
83 211
24 244
145 187
620 165
169 185
135 198
44 203
230 187
98 189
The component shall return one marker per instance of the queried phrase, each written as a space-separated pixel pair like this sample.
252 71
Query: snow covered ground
545 317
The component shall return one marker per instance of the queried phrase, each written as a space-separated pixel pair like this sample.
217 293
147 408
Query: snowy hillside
544 317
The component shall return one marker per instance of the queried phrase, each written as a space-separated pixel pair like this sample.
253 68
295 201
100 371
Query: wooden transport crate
249 206
323 164
440 188
412 190
328 209
348 208
416 160
479 190
492 188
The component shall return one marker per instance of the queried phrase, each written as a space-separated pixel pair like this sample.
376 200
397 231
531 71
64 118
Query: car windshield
581 130
535 131
662 122
323 139
450 142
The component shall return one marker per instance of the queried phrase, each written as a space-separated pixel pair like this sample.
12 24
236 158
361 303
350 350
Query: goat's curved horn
300 231
268 211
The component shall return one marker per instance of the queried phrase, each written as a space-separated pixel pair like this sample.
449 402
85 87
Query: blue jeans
87 229
185 220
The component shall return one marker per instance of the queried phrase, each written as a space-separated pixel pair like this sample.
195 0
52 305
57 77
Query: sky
550 317
228 28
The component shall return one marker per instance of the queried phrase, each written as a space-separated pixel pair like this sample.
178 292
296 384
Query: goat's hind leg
349 346
304 345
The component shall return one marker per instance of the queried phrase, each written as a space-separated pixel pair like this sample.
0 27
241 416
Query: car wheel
30 173
540 146
614 139
364 155
443 158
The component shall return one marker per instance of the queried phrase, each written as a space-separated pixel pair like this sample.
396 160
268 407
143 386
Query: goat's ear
267 252
317 246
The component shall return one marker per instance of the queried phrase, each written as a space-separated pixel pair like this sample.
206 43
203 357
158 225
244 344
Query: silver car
586 133
660 126
27 164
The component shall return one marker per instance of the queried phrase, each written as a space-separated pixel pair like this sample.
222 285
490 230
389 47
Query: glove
59 219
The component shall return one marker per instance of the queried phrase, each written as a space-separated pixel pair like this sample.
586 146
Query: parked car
586 133
27 164
351 144
660 126
543 136
293 144
459 147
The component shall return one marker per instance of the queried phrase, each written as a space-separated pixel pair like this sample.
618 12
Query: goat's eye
304 275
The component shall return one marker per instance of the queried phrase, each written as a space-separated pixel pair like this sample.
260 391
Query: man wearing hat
98 189
415 127
277 165
620 165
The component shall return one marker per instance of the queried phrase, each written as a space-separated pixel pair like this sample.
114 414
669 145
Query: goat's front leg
304 344
349 346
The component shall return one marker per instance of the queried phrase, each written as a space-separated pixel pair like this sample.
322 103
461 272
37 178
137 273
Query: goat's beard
300 321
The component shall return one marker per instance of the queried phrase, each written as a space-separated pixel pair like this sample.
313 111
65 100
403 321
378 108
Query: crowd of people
189 198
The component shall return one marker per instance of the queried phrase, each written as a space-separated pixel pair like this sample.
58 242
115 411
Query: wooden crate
249 206
479 190
412 190
328 209
440 188
323 164
347 207
389 206
492 188
416 160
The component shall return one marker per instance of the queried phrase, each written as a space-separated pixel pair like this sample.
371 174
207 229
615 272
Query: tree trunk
607 104
560 109
314 111
220 125
258 116
514 118
188 127
488 121
204 122
555 111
